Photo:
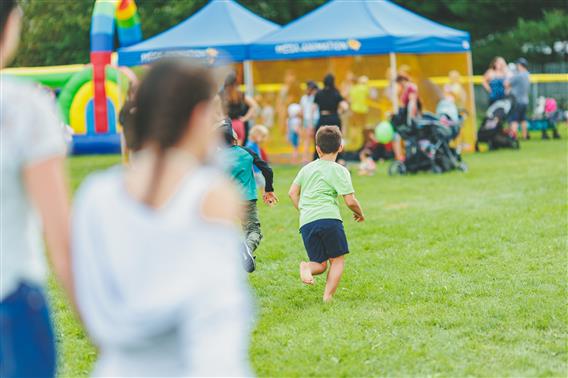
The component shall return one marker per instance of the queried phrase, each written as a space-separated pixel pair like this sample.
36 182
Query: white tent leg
472 116
249 82
394 97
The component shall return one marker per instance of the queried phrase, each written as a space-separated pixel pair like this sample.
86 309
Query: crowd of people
347 106
502 81
152 262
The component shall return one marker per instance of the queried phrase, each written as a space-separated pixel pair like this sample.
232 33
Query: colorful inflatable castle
91 99
91 95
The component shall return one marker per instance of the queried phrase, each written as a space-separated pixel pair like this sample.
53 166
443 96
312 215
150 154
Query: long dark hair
164 104
230 92
329 82
6 8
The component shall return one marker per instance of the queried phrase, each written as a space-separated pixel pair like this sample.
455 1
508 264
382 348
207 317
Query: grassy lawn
452 275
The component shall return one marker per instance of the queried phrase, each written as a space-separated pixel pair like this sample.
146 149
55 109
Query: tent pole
472 116
394 97
249 82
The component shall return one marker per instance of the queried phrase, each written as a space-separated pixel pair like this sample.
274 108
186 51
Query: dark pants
251 226
27 347
326 120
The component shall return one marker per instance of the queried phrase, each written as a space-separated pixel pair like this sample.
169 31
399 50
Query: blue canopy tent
358 27
366 38
220 27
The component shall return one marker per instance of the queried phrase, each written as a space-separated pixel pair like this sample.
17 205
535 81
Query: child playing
310 117
314 193
367 167
241 165
257 136
294 122
267 111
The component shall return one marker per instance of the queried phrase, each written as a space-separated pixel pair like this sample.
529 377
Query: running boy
314 193
241 161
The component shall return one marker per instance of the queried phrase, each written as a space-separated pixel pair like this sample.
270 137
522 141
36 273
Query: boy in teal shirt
241 162
315 194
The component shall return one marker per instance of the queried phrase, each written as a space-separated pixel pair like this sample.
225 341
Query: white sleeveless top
161 292
30 132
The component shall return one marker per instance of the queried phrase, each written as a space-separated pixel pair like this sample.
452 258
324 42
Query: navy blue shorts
324 239
519 113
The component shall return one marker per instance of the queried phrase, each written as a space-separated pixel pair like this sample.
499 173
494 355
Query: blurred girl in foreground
33 192
156 253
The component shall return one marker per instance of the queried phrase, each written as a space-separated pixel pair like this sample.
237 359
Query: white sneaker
248 259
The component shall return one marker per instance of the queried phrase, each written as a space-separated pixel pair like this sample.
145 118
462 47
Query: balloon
384 132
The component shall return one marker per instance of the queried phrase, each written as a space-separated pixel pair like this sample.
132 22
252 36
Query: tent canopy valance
341 28
221 27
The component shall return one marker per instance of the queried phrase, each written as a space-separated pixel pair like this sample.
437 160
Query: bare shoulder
222 202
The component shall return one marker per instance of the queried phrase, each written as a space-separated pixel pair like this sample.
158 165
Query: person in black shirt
239 107
329 102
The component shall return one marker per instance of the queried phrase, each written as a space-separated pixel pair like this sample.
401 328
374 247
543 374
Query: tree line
57 31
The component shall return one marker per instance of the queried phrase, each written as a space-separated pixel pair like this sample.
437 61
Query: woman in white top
156 252
33 193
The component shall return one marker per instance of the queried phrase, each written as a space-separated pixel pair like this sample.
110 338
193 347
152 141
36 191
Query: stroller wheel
437 169
397 168
462 167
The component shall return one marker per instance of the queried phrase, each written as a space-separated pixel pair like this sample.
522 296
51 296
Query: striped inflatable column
102 40
128 23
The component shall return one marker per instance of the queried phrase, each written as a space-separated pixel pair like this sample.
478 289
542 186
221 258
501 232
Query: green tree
57 31
54 32
540 41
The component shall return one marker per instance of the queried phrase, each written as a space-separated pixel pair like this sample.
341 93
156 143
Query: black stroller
427 145
492 130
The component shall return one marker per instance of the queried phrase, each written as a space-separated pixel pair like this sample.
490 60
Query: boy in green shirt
315 194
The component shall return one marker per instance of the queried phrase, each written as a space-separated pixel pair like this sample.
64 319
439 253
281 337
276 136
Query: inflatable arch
90 101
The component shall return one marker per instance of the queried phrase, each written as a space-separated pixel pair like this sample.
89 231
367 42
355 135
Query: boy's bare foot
327 299
306 273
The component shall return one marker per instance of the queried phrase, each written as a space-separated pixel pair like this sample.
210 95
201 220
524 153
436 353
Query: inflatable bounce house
91 99
92 95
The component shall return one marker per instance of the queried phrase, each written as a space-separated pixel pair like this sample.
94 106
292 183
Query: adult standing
410 107
239 107
359 99
519 86
330 103
290 93
494 79
409 100
456 89
33 198
310 117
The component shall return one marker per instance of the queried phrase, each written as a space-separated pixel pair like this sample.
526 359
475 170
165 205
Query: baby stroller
427 145
492 130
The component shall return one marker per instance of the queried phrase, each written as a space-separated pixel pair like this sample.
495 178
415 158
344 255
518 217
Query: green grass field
452 275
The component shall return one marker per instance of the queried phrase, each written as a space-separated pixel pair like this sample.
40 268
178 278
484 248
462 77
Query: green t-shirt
321 182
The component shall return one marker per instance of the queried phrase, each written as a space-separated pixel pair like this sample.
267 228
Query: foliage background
57 31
